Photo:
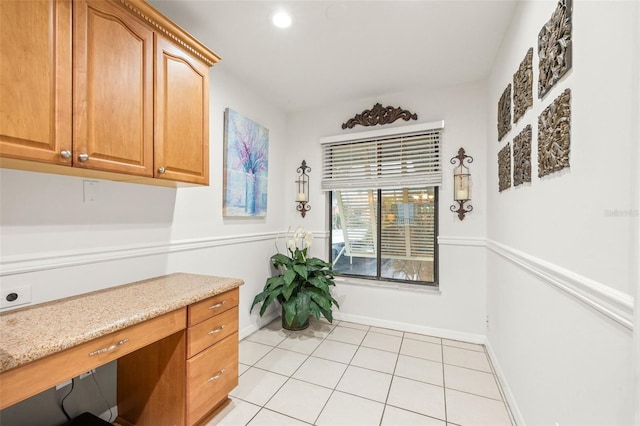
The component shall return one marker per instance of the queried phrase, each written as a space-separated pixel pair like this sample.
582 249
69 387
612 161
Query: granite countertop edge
30 333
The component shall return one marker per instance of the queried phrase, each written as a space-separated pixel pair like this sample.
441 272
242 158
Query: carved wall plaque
379 115
522 157
554 131
523 87
504 168
504 113
554 47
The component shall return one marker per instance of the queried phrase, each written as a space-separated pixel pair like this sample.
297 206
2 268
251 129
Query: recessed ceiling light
281 19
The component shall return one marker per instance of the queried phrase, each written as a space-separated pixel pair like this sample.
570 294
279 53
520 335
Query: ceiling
342 50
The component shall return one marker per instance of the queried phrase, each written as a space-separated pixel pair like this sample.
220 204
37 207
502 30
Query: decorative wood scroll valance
379 115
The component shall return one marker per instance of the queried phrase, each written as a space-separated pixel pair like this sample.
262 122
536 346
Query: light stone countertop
34 332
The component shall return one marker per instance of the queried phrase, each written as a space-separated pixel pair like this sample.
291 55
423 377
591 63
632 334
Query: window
383 189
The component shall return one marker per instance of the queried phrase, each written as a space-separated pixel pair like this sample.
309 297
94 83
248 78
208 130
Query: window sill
414 288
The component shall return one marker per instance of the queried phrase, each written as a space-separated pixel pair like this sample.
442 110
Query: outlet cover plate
15 296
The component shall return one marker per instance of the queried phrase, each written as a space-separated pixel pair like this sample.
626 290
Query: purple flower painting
245 166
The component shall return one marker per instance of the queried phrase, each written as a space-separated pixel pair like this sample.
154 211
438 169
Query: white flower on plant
291 245
308 239
296 240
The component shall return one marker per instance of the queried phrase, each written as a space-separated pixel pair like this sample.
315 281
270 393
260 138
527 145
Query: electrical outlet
63 384
90 191
15 296
88 373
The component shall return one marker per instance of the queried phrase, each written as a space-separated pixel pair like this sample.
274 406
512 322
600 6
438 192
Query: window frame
379 277
431 180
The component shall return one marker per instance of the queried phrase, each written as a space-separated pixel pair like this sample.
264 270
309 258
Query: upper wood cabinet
182 115
113 90
35 80
134 106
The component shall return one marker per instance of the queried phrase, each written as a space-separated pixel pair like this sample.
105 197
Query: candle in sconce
461 184
302 197
462 194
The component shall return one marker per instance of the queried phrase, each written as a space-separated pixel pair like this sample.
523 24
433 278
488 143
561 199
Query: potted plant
302 285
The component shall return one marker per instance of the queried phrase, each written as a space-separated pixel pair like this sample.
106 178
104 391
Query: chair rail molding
613 303
462 241
13 265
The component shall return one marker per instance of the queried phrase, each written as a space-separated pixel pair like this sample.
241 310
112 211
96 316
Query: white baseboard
508 394
262 321
412 328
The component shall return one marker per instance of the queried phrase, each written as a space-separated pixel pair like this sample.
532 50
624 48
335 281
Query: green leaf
274 282
259 298
289 311
302 306
280 259
318 282
272 296
314 261
323 301
335 302
315 310
301 270
289 276
328 315
288 290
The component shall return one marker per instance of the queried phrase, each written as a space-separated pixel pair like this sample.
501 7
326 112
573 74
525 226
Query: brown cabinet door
182 115
35 80
113 90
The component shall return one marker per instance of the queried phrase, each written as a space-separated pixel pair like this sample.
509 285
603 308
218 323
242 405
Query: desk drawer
212 306
208 332
25 381
211 375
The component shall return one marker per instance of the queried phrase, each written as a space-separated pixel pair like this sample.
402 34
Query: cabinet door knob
65 154
161 170
83 157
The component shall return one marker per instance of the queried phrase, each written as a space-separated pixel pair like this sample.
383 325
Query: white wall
458 310
562 251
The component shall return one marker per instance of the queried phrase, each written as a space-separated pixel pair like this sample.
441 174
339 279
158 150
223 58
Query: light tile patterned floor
351 374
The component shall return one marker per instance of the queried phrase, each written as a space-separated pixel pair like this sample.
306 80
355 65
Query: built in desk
175 338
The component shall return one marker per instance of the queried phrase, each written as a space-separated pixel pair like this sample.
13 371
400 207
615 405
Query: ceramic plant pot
295 326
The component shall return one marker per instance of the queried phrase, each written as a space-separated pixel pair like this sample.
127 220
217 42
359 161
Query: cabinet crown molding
157 21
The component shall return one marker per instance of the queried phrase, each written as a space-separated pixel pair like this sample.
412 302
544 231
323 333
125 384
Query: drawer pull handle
109 348
217 376
217 330
217 305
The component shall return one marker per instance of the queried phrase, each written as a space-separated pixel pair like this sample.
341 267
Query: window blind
392 161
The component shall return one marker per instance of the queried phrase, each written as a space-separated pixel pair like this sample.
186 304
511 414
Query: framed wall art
246 149
554 135
522 157
523 87
504 168
555 47
504 113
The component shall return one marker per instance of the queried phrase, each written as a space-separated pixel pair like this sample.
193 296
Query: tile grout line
341 376
393 375
264 406
294 372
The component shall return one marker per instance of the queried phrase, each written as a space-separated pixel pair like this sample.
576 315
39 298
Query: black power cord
73 382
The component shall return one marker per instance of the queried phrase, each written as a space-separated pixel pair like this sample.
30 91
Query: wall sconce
461 187
302 189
